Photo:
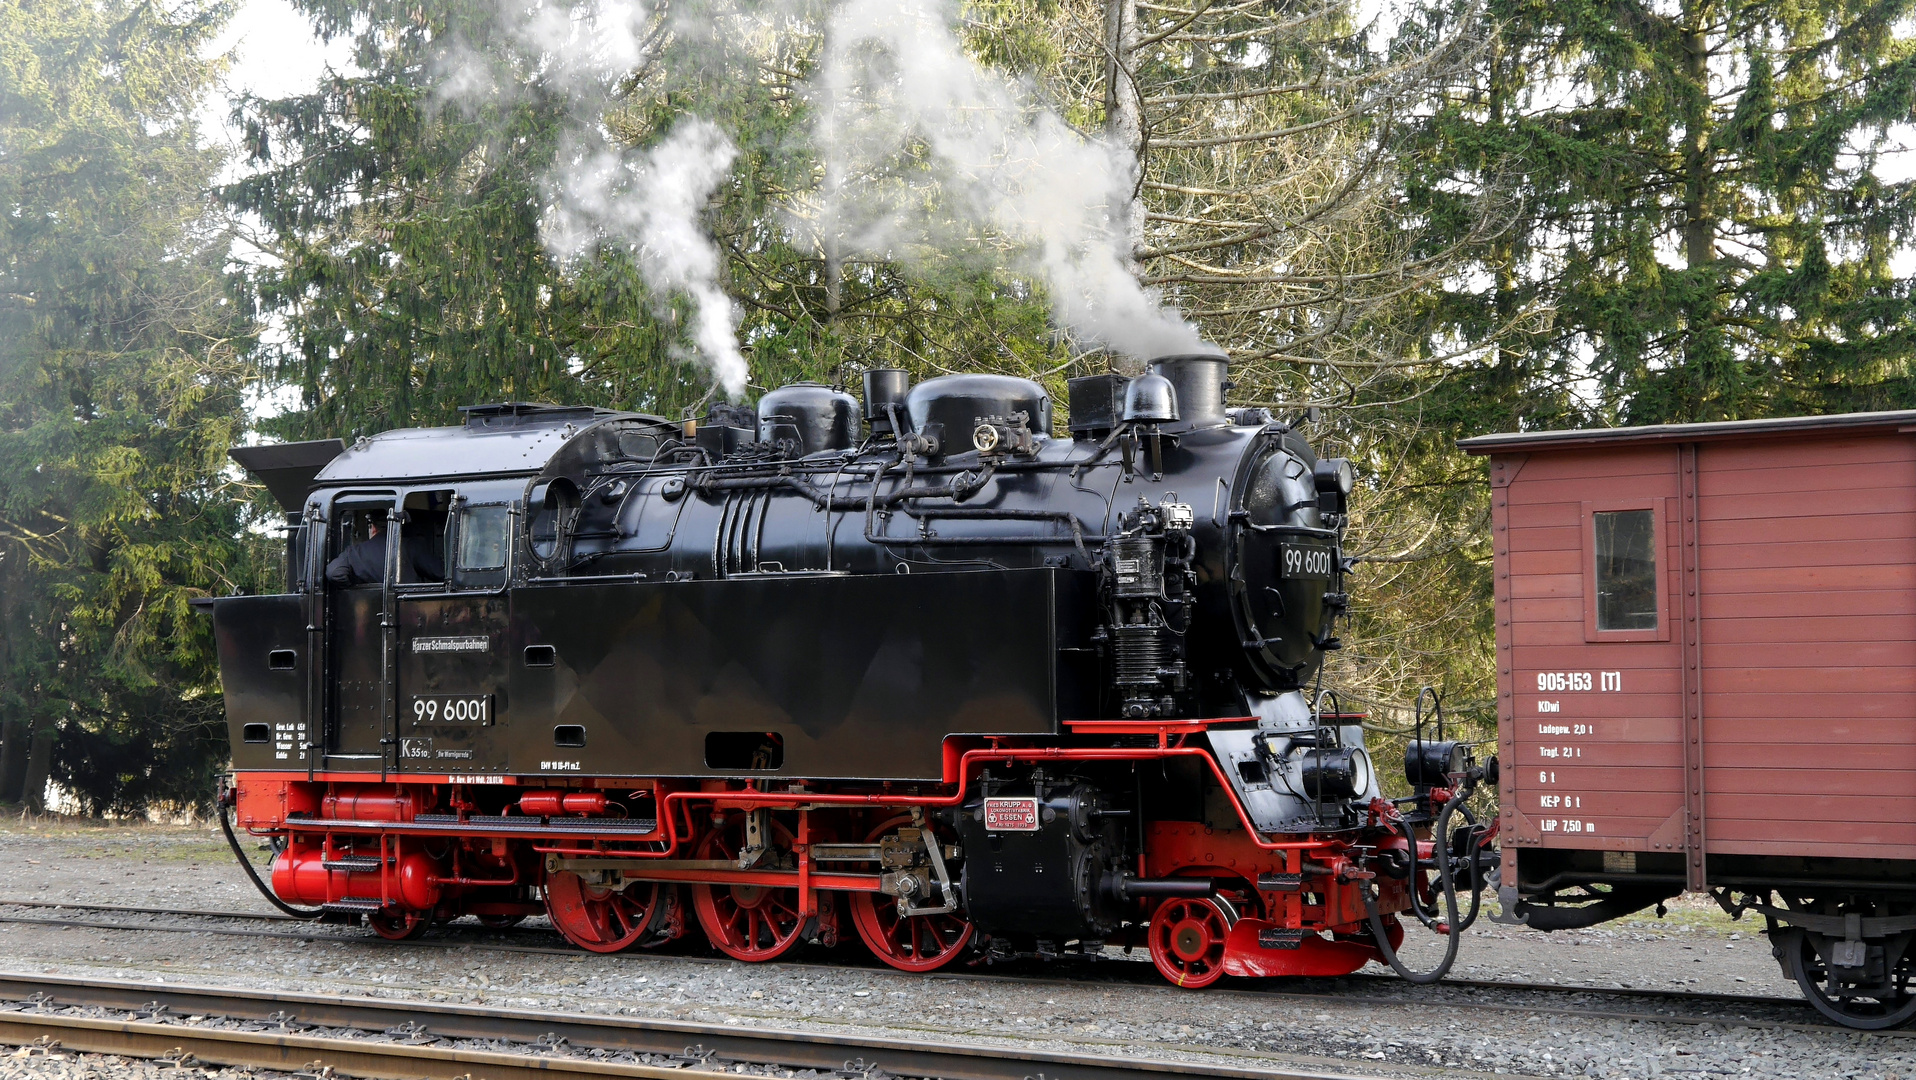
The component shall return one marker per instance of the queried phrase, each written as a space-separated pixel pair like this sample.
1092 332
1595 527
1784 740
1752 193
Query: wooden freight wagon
1706 656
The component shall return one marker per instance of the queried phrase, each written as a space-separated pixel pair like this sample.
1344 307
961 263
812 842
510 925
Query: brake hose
246 864
1442 855
1472 849
1381 936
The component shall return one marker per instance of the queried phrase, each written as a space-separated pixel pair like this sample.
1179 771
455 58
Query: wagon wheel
395 924
907 942
1187 940
1864 1011
746 922
598 918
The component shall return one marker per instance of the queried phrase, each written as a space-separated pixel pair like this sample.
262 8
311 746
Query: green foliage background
122 345
1519 215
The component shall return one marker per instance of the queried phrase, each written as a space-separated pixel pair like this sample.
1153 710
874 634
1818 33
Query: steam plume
922 149
649 203
911 130
601 194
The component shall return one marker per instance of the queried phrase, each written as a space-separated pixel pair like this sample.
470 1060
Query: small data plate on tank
1011 815
1305 560
452 709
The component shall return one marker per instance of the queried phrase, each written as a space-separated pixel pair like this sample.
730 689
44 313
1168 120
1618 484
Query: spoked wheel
1869 1009
1187 940
746 922
394 925
907 942
597 918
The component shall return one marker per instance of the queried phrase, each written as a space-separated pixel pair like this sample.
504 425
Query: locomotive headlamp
1336 773
1335 476
1431 764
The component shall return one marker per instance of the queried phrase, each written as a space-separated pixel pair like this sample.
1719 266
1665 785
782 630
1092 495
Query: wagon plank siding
1799 535
1804 609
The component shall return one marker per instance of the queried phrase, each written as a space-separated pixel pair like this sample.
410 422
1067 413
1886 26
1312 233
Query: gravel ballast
1361 1026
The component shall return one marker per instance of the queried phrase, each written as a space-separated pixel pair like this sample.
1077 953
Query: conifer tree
1709 203
121 388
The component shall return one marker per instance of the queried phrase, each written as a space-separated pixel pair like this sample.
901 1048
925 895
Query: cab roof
513 437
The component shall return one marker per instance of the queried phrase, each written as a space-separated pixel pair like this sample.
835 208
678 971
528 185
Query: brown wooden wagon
1706 656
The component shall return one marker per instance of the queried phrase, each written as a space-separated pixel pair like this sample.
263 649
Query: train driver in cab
364 563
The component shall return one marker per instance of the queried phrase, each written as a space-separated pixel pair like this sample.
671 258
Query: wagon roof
1874 423
512 438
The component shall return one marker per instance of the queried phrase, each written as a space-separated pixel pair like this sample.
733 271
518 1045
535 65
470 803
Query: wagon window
483 532
1626 570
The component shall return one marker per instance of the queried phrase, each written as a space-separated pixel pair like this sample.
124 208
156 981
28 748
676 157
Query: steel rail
683 1040
182 1044
1148 977
350 936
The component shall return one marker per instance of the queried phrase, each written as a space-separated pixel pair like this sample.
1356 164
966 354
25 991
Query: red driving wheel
746 922
907 942
1187 940
597 918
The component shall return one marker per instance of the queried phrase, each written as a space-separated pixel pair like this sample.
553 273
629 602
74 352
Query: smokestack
1199 377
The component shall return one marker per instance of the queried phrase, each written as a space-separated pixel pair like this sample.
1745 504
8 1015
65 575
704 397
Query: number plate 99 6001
1305 560
452 709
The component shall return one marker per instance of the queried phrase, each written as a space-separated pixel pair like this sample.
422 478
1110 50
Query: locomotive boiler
910 666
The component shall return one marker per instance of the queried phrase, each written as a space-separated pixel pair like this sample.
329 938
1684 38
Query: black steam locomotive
912 662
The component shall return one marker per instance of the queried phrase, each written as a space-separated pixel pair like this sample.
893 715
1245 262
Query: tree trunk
39 769
1124 111
1503 256
1699 222
13 759
834 279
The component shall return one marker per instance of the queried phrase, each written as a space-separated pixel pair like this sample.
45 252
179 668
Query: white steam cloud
602 194
912 132
649 203
924 154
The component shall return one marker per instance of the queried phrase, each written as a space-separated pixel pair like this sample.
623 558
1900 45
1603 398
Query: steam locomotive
910 667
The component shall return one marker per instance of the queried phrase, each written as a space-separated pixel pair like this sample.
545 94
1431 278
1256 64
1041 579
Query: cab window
355 553
424 525
484 532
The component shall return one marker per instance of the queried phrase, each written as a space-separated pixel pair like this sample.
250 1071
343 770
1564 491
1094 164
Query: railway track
373 1038
1118 972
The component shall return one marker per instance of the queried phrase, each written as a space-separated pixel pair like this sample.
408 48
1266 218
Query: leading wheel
1187 940
599 918
396 925
747 922
1874 1008
907 942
